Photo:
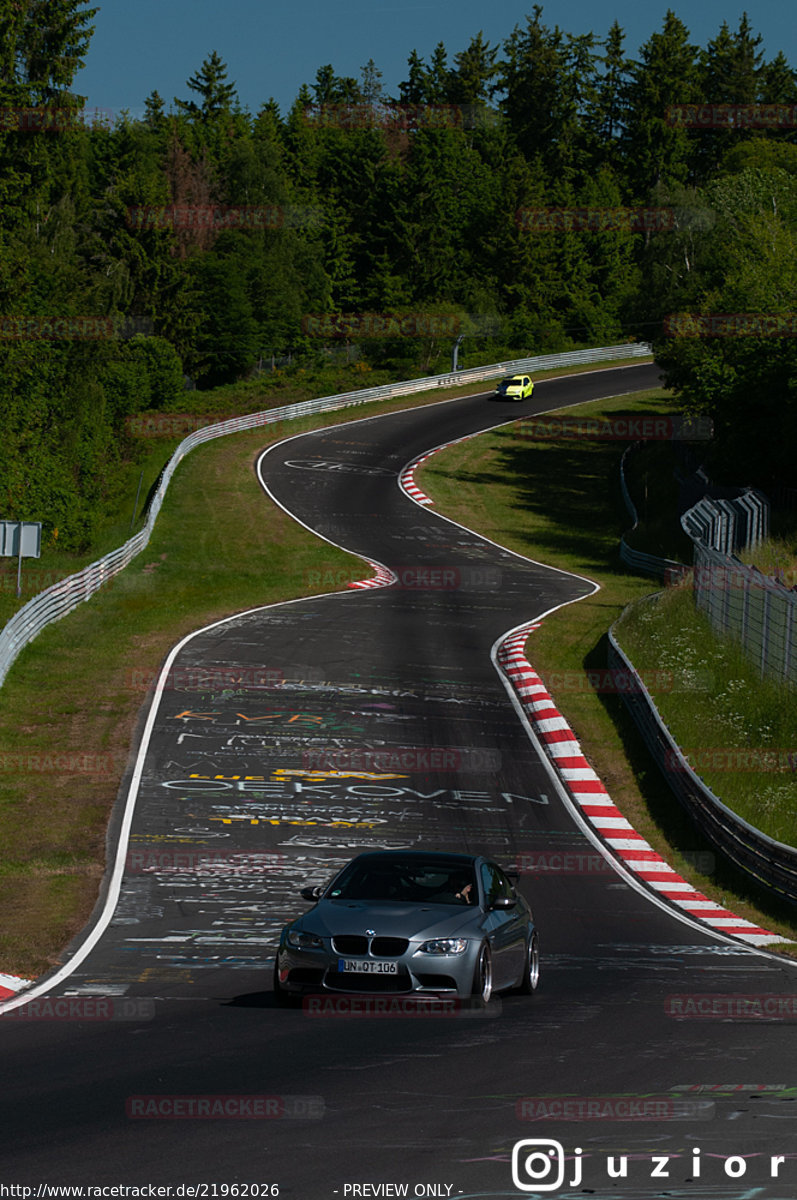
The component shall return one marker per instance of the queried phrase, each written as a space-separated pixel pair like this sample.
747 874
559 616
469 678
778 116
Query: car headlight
300 940
444 946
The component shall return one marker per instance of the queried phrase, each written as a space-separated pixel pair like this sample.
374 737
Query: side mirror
503 902
312 893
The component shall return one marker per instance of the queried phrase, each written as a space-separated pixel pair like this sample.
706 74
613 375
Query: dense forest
545 193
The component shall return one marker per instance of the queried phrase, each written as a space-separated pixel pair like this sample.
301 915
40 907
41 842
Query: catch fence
759 611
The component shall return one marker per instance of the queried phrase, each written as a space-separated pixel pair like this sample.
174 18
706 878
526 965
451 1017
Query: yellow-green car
515 387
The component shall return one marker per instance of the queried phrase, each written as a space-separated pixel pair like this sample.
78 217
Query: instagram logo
538 1165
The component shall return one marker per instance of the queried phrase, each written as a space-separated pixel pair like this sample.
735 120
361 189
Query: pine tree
438 80
606 119
473 73
548 79
656 150
413 90
154 111
330 88
730 65
777 83
45 43
529 79
217 96
371 88
730 74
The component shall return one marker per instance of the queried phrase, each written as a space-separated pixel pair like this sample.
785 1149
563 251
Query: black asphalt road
237 808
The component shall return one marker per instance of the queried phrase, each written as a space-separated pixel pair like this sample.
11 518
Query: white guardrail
67 594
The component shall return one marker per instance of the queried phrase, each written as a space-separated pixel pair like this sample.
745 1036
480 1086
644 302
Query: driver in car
465 890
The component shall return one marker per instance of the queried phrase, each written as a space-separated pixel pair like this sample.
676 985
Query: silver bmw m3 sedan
418 922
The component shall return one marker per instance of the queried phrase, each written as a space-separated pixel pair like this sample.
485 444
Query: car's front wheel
483 975
531 971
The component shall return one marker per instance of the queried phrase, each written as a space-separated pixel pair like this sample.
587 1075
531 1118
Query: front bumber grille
350 943
306 976
442 983
354 981
381 947
389 947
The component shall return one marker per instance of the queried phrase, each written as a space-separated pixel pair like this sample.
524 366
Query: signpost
23 538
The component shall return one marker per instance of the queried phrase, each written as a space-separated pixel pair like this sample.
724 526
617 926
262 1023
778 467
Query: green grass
776 556
71 701
732 719
559 503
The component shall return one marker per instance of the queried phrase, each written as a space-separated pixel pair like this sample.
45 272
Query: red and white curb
383 577
407 481
407 476
10 985
596 805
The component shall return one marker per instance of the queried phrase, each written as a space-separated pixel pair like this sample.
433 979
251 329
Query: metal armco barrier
769 862
638 560
61 598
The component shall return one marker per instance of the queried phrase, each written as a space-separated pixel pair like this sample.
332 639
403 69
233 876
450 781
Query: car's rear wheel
531 972
483 975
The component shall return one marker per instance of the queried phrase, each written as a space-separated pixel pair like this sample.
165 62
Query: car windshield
512 381
406 881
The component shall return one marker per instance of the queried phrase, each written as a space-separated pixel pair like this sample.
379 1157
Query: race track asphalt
226 816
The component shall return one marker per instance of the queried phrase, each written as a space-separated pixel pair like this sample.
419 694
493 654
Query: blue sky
272 48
